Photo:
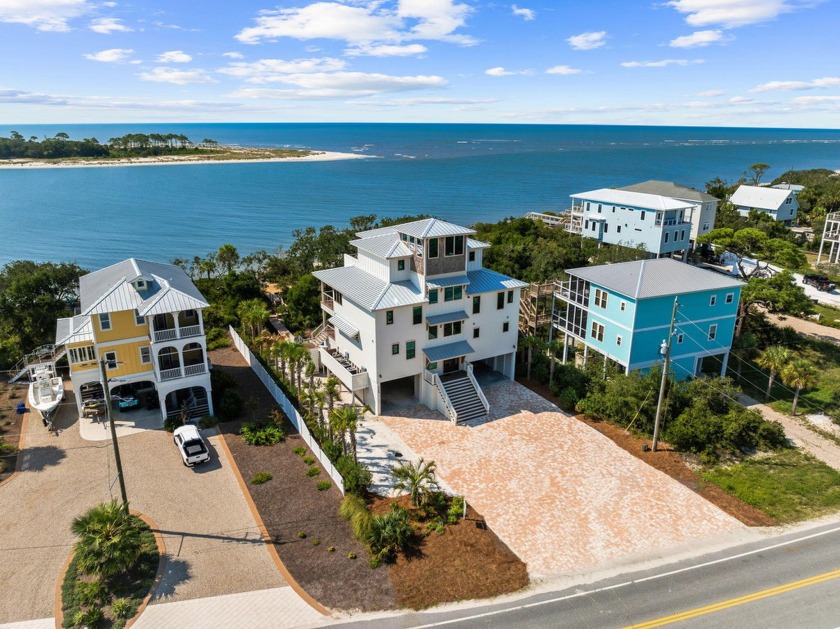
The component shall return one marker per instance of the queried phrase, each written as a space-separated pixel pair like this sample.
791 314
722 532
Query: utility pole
665 366
107 392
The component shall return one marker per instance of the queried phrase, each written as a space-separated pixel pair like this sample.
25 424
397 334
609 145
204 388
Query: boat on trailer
45 391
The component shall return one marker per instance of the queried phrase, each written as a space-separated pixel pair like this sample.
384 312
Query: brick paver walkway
562 496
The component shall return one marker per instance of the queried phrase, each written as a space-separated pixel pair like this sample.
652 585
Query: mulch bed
10 425
670 462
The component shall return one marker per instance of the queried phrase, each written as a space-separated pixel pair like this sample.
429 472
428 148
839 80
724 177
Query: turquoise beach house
623 312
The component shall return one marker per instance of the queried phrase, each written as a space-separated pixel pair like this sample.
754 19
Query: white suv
191 445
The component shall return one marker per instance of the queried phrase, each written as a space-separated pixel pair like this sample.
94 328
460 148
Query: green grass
789 486
829 316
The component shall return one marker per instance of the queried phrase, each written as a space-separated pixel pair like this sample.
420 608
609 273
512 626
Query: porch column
585 354
565 346
723 365
175 318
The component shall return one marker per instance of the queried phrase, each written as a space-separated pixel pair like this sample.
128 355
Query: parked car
191 446
820 282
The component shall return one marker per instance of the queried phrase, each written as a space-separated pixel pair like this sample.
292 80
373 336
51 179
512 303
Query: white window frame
601 298
618 340
623 306
83 354
110 360
597 331
105 321
145 356
712 332
713 300
730 297
680 337
138 319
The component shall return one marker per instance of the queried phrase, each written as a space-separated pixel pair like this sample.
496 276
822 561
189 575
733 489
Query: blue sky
693 62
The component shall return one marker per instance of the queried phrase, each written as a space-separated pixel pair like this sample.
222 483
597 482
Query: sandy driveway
562 496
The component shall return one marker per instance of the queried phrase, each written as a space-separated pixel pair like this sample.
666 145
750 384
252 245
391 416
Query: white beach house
779 204
415 310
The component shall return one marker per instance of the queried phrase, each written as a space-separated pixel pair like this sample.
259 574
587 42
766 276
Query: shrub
323 485
354 509
89 618
171 423
309 460
374 562
418 479
313 471
357 477
331 549
207 421
301 535
390 533
219 383
771 435
110 540
300 450
260 434
437 525
217 338
567 399
124 608
261 477
316 542
455 511
90 593
436 504
230 405
351 555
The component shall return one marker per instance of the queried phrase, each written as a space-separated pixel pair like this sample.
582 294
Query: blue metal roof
447 317
450 350
444 282
487 281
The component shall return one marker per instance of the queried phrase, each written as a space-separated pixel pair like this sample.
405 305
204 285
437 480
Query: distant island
137 149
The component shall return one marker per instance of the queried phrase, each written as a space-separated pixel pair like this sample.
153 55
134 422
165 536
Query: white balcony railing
170 374
170 334
190 330
165 335
351 377
194 370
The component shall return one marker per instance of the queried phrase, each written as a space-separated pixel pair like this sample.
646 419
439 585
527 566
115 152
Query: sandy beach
170 160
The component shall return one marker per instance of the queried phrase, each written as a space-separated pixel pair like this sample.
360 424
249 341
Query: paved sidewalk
824 449
809 328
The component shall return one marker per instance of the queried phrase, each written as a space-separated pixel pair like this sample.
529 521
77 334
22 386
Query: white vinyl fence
288 408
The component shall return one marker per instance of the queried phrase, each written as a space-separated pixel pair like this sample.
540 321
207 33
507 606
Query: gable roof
385 246
425 228
759 197
367 290
75 329
670 189
110 289
632 199
660 277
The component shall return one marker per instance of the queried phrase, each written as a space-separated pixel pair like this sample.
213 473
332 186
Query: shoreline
176 160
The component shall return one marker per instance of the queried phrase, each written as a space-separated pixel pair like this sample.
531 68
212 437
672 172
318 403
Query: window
145 355
618 228
458 292
600 298
404 237
431 366
389 317
433 295
712 300
705 227
417 315
476 332
586 224
459 245
623 306
643 215
680 338
510 297
400 265
476 304
597 331
111 360
141 285
449 246
667 235
337 297
606 228
138 319
599 208
730 297
789 200
618 340
433 248
450 329
500 301
395 349
82 354
104 321
712 331
506 326
432 332
472 256
409 350
682 234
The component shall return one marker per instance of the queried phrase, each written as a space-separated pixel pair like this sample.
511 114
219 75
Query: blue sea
462 173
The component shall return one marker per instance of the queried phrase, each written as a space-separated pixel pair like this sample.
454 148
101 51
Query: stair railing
471 376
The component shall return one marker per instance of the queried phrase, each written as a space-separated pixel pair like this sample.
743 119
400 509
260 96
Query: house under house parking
415 309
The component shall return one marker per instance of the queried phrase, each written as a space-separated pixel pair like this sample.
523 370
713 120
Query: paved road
782 582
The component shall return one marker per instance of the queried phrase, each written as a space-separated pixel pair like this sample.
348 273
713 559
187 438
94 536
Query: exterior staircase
44 356
464 396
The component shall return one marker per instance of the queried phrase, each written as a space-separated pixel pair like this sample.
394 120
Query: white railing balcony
190 330
195 370
165 335
170 374
352 377
328 304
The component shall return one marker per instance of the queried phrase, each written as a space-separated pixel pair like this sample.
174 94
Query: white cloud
564 70
525 14
112 55
382 21
108 25
698 39
790 86
178 77
274 70
711 93
588 41
386 50
661 63
174 56
334 85
426 100
500 71
233 55
733 13
43 15
815 100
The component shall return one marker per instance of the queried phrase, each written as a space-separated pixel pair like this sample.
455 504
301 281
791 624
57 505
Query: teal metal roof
450 350
443 282
487 281
447 317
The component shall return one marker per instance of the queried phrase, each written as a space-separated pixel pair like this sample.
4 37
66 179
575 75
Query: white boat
45 391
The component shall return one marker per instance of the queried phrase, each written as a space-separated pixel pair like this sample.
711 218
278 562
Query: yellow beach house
145 320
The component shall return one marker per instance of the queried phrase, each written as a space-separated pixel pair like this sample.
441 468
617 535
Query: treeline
130 145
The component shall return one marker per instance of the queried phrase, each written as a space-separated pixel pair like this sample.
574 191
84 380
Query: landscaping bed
10 426
671 463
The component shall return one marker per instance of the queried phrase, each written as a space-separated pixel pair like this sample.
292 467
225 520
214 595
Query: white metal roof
472 243
425 228
399 294
344 326
486 281
760 198
632 199
385 246
367 290
449 350
76 329
661 277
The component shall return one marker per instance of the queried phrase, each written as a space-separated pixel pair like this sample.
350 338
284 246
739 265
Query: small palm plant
417 479
390 533
110 540
801 374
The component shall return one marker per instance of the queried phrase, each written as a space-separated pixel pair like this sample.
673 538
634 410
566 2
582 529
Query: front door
453 364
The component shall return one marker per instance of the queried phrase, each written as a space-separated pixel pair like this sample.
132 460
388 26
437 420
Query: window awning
444 282
344 326
450 350
446 317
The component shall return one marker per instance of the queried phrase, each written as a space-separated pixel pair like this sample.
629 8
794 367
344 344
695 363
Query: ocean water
462 173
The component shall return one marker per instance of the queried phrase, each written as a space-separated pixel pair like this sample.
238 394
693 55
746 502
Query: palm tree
529 343
298 354
345 420
553 348
774 358
417 479
799 373
252 313
110 540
